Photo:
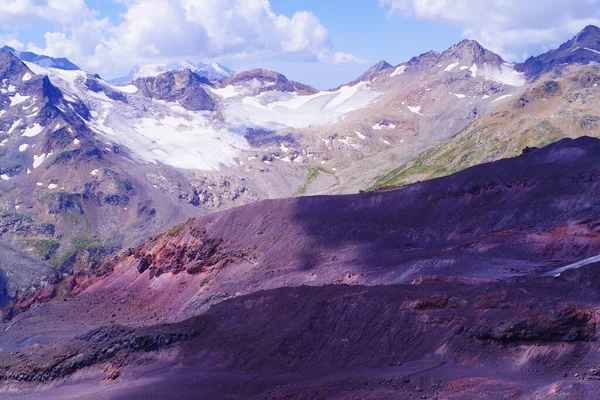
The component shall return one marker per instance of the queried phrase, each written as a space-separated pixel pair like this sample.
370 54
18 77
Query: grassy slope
549 111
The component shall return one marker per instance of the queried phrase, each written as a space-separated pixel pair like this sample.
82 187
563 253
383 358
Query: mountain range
207 224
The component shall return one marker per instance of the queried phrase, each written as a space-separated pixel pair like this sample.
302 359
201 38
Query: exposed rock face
372 72
45 61
410 285
184 87
470 52
582 49
262 80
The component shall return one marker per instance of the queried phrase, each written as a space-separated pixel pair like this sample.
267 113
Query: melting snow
3 143
23 147
14 126
384 141
399 71
360 135
473 70
463 67
94 172
416 110
592 50
52 186
26 77
277 110
502 97
35 130
460 96
38 160
451 66
17 99
379 126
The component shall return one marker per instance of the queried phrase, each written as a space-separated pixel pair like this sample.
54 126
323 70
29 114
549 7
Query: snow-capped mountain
212 72
583 49
42 60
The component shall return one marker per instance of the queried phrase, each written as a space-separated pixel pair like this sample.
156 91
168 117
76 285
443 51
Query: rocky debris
63 203
198 253
97 346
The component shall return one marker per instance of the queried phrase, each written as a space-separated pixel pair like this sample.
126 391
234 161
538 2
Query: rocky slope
549 110
98 167
582 49
437 291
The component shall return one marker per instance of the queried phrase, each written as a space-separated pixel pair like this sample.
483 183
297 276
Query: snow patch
473 70
52 186
592 50
502 97
76 141
23 147
38 160
360 135
416 110
451 67
94 172
14 126
379 126
35 130
17 99
26 77
4 177
399 71
460 96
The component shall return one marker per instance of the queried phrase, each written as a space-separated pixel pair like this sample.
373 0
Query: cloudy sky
321 42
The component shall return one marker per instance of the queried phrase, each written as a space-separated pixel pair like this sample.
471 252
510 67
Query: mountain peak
371 72
583 48
471 52
588 35
43 60
213 72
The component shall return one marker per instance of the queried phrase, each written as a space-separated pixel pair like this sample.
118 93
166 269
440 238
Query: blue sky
324 43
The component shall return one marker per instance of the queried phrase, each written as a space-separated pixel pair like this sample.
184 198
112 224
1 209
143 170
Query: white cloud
163 30
346 58
505 26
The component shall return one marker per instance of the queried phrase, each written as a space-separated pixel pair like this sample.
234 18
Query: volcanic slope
435 289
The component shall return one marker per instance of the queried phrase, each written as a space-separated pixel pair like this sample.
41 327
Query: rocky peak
469 52
185 87
423 61
11 66
261 80
590 33
42 60
371 72
584 49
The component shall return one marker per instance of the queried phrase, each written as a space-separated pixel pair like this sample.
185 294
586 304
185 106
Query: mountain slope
583 49
143 157
212 72
426 279
548 111
42 60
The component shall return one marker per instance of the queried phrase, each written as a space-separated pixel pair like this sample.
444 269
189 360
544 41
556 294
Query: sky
324 43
